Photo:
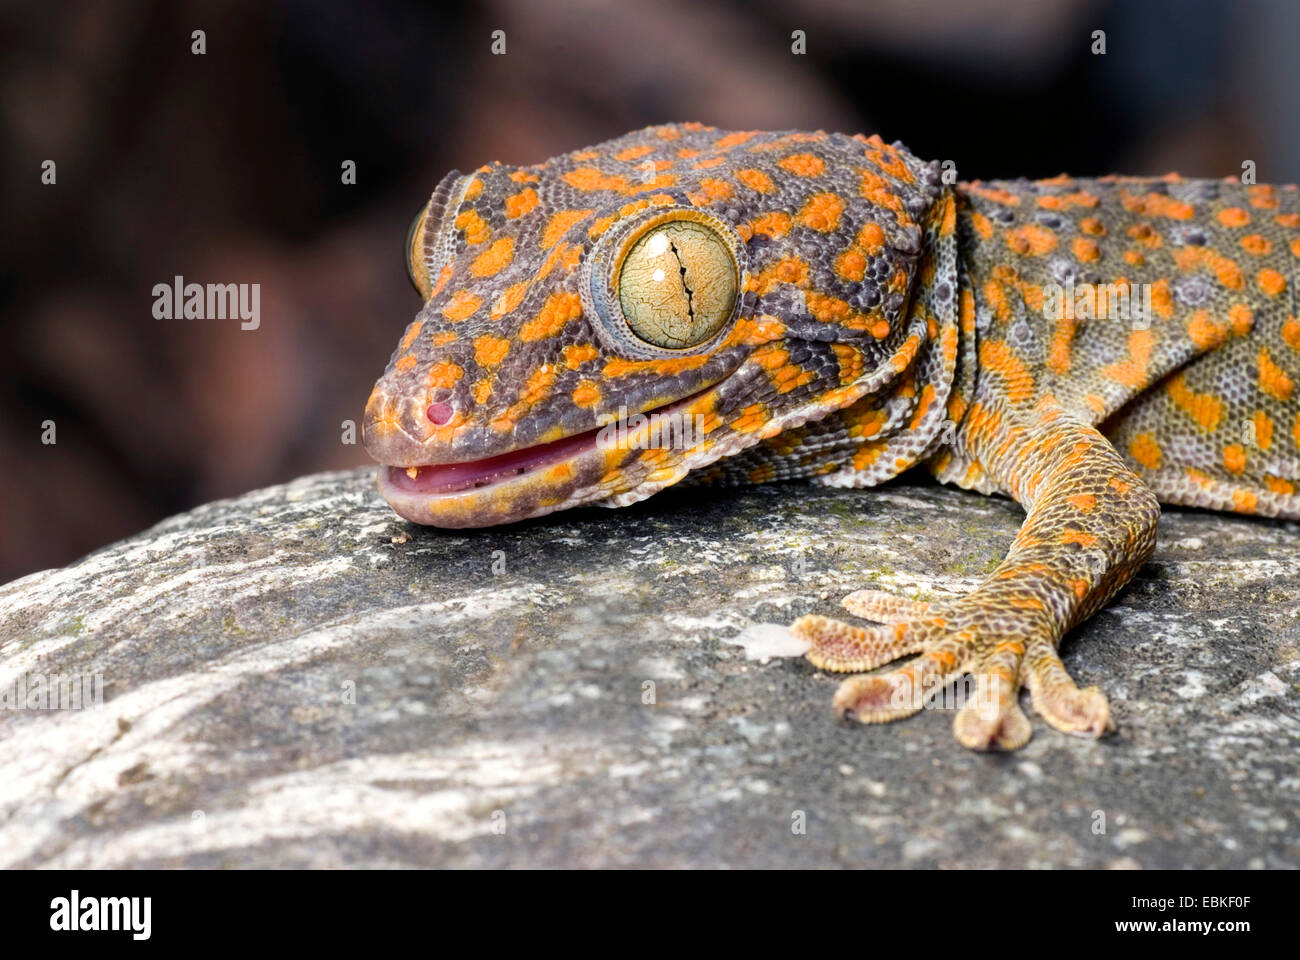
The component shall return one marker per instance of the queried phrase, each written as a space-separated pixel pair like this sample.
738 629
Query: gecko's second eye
677 284
414 252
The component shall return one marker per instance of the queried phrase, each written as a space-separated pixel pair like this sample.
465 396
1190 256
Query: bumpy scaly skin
886 320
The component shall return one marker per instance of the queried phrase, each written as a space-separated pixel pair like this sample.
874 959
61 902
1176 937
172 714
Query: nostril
439 413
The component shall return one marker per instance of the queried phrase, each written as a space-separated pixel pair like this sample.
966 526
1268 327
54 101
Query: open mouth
452 494
447 478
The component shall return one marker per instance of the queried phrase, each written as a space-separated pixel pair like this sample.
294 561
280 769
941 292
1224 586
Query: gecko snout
396 430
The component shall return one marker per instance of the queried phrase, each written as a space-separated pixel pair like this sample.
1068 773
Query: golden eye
414 253
677 284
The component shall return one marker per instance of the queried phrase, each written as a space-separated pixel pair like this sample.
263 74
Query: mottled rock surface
298 678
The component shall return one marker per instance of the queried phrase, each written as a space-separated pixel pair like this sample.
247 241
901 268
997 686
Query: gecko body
689 305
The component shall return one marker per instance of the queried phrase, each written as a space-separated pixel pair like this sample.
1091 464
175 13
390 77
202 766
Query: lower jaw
528 483
554 486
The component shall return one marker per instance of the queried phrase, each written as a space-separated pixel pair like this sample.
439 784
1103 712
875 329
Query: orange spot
1205 333
1204 408
1256 244
632 153
1234 217
405 363
1278 485
1031 240
443 276
775 225
1133 372
804 164
444 374
1291 333
997 357
850 362
412 332
871 238
521 203
461 305
475 227
876 189
586 393
850 265
750 418
1271 282
734 139
1157 205
1273 380
1244 501
669 366
510 298
536 388
1079 537
494 259
1228 273
821 212
1263 430
712 191
590 178
559 225
1145 450
755 180
489 350
1162 300
1234 458
1262 196
576 354
555 313
1242 319
1085 250
1004 197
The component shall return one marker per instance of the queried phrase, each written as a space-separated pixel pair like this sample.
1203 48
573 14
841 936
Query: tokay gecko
689 305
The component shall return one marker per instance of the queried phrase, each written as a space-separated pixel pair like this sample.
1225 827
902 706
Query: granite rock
298 678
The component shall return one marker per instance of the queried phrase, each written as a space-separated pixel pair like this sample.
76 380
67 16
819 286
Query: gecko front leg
1090 524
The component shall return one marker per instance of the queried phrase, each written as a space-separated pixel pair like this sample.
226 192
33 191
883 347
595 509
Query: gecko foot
1003 647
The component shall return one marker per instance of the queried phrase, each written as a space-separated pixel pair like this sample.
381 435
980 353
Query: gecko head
597 326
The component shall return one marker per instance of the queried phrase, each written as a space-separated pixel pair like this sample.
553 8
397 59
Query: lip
515 485
452 478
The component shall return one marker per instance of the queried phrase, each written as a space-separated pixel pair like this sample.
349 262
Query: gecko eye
677 284
414 254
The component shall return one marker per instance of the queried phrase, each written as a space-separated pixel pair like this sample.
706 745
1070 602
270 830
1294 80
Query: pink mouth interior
445 478
449 478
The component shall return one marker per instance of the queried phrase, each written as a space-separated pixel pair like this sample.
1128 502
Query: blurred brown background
226 168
